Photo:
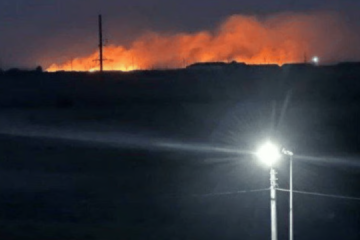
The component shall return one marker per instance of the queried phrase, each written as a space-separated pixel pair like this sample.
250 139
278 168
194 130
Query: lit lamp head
315 60
269 154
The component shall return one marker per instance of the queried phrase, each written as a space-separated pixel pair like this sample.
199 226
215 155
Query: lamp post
269 154
291 214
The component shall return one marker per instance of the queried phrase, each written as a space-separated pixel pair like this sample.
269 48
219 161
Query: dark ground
78 159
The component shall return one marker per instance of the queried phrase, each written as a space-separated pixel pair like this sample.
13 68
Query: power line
206 195
230 193
322 194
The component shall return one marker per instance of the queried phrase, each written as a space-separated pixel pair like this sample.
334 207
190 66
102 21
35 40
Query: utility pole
101 45
305 58
273 204
291 212
291 221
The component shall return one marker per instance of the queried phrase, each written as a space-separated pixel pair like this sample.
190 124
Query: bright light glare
315 60
269 153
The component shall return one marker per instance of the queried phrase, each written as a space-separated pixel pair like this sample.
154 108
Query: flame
284 38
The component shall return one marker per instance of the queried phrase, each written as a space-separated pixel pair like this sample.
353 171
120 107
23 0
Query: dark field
130 156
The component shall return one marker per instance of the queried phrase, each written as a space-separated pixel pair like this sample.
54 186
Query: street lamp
291 223
269 154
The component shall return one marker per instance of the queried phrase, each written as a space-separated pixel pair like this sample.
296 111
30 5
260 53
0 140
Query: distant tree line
38 69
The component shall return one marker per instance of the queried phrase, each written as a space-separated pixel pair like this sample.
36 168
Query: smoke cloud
278 39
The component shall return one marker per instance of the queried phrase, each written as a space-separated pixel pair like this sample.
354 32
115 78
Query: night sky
38 31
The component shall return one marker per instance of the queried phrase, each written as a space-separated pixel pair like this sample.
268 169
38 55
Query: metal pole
291 223
100 44
273 204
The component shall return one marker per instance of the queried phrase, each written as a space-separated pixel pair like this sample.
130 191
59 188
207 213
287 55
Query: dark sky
33 32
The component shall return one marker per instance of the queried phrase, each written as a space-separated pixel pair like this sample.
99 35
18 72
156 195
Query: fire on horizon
280 39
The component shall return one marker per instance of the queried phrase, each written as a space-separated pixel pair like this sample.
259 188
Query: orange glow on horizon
281 39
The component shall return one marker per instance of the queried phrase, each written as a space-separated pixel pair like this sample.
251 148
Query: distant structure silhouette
39 69
215 65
